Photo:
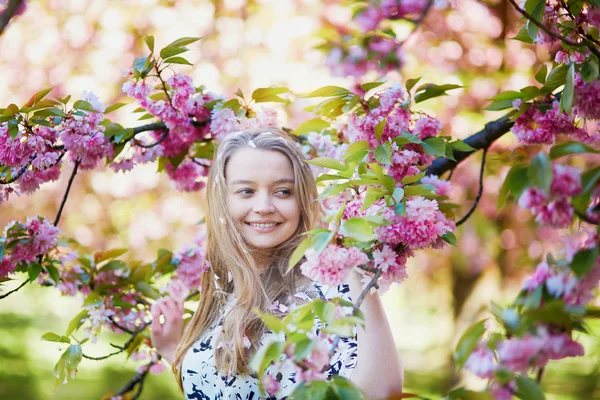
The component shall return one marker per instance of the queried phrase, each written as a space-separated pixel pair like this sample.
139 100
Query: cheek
290 211
237 208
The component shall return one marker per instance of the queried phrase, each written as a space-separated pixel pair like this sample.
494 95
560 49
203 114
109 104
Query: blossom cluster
554 208
393 108
37 236
542 124
373 53
333 265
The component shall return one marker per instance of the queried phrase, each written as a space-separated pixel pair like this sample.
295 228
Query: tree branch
14 290
549 31
64 199
9 12
584 217
480 140
479 192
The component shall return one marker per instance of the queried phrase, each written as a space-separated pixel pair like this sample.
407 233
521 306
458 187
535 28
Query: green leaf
177 60
11 110
409 179
84 105
93 299
312 125
328 91
38 96
523 36
568 148
33 269
527 389
373 194
314 390
583 261
566 101
515 182
52 271
468 342
53 337
359 229
372 85
172 51
100 256
435 146
431 90
328 162
76 322
541 74
149 39
114 107
270 321
589 70
459 145
540 172
450 238
400 208
262 95
383 153
347 390
147 290
556 77
321 240
356 147
419 190
299 252
379 128
66 367
184 41
537 13
410 83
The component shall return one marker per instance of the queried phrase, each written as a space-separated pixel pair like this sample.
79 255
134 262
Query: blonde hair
228 253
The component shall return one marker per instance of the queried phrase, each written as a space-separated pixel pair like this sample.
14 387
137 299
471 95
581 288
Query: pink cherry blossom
420 228
191 264
223 122
270 384
539 127
566 180
187 176
557 214
481 362
587 98
332 265
427 127
442 187
542 272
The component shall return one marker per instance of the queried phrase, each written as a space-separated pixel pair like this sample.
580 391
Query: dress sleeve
344 358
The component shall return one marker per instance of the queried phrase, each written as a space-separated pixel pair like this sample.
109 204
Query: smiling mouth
263 225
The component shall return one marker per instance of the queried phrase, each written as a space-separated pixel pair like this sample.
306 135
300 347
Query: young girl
261 197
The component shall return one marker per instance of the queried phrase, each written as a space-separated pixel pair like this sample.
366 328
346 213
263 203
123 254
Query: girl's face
261 198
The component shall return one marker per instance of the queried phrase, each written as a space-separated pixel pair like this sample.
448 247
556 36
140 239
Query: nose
264 204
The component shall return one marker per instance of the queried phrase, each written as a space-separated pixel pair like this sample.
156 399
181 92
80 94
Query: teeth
264 225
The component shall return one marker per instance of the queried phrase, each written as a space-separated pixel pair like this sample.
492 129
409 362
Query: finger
156 326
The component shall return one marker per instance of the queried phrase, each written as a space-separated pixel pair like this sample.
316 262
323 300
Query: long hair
230 256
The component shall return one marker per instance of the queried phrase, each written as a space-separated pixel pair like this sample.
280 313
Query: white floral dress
202 381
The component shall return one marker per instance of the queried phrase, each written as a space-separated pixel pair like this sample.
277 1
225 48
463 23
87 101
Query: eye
245 192
284 192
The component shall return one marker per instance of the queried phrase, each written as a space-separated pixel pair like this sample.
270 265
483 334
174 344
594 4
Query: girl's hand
166 336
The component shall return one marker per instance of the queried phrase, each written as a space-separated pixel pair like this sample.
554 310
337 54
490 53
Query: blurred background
78 45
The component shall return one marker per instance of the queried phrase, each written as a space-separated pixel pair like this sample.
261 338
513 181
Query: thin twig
372 284
138 378
195 161
418 22
121 348
538 378
479 192
64 199
550 32
585 218
9 12
14 290
159 141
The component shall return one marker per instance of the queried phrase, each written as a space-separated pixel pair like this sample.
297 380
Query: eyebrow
246 182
